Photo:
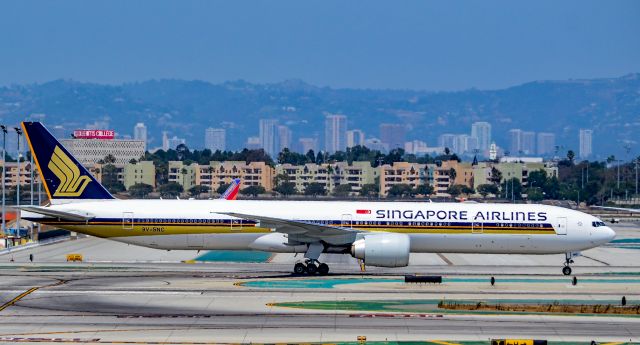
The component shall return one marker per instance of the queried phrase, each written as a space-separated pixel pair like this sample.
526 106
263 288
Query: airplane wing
45 211
303 231
623 209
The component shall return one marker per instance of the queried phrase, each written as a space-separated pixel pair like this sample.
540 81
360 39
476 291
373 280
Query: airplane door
347 221
236 224
127 220
561 225
477 227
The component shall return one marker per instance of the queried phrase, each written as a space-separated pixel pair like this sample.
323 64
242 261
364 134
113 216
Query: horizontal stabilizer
45 211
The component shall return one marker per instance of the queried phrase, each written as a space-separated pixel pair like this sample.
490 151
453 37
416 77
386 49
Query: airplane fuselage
432 227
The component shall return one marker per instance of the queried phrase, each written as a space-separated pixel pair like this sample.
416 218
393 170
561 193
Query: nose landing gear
566 270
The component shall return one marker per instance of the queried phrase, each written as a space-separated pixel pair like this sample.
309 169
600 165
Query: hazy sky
393 44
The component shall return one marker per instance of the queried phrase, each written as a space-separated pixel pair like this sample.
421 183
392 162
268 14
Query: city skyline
275 138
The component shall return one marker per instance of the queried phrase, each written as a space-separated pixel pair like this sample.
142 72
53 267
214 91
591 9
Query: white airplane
378 233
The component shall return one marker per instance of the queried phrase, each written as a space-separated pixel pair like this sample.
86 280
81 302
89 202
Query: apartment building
24 176
140 172
220 173
412 174
509 170
330 175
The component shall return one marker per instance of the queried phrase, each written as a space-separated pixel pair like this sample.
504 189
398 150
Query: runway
131 299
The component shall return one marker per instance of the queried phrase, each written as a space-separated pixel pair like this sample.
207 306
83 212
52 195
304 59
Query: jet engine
384 250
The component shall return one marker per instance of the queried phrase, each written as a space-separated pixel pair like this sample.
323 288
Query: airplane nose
610 234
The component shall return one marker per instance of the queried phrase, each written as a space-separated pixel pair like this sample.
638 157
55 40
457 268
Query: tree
109 159
452 174
537 178
170 190
535 194
287 156
140 190
342 190
315 189
311 156
423 189
486 189
571 156
369 190
455 190
110 178
283 185
512 188
399 190
254 191
496 176
195 191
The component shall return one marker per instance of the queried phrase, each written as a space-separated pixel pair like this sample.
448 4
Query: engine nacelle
384 250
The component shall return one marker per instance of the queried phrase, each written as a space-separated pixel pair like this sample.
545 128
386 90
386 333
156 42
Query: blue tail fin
64 177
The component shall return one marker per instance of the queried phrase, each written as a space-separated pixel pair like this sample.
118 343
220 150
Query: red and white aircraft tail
232 192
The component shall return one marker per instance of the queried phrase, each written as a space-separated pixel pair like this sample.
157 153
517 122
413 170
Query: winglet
232 192
64 177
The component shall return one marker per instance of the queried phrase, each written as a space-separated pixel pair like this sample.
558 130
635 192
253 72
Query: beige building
185 175
412 174
221 173
141 172
330 175
12 176
509 170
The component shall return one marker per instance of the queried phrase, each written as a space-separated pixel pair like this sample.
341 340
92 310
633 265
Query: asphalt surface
134 297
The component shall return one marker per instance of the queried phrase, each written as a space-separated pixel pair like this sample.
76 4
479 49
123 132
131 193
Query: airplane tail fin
232 191
64 177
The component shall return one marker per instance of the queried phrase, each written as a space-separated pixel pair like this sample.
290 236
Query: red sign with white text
94 134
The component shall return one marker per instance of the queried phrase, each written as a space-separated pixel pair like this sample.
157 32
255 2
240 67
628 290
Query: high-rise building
268 136
393 135
464 144
481 131
529 143
284 138
175 142
447 140
586 139
515 141
165 141
493 151
546 143
355 137
215 139
140 132
335 133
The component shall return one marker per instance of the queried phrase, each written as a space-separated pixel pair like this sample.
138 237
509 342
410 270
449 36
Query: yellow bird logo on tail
71 182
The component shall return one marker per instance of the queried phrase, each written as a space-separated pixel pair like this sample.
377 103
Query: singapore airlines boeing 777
379 233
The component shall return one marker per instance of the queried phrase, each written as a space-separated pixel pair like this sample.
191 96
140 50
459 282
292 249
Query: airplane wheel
566 270
312 269
323 269
299 269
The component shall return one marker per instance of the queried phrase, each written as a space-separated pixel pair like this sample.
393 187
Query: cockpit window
598 224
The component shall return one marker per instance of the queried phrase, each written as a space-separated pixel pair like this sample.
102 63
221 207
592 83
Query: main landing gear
566 270
311 267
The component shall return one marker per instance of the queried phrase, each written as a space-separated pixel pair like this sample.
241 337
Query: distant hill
610 106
